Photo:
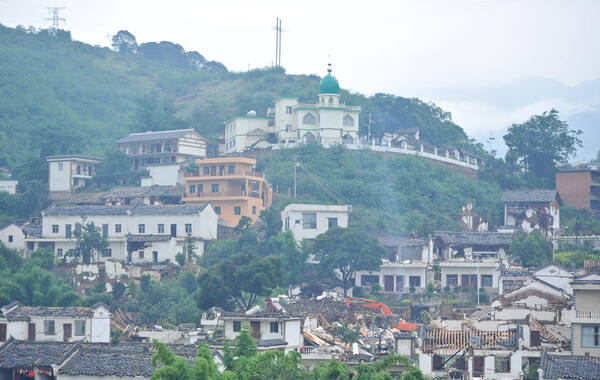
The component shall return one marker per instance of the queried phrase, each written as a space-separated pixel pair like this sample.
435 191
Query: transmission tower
55 18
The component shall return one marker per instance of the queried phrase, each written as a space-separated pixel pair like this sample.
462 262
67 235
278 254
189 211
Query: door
388 283
469 280
2 332
155 257
31 332
173 230
67 332
478 366
400 284
255 329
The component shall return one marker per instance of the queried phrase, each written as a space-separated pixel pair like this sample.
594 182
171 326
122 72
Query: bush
376 287
406 302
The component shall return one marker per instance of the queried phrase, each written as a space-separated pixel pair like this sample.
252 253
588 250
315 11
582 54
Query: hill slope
99 95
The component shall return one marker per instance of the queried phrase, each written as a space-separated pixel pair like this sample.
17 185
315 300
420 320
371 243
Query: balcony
582 314
237 174
224 195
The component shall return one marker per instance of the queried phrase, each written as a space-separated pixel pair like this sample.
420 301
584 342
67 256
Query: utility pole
55 18
369 131
278 31
295 166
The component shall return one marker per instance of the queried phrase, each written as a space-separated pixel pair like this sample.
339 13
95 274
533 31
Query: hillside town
282 227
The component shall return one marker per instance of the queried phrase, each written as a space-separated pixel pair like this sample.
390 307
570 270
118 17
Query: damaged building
531 210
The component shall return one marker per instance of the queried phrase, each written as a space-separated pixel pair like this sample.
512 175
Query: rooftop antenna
55 18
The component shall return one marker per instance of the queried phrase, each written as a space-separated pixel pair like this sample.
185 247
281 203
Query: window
105 230
452 280
55 228
502 364
309 119
141 228
79 328
59 252
237 326
214 187
188 228
108 252
308 137
288 110
200 189
274 327
192 189
10 238
348 121
332 222
309 220
231 169
161 228
414 281
288 127
141 254
369 279
78 228
253 210
60 166
590 336
221 169
213 170
49 328
237 210
348 139
330 100
205 170
486 280
218 210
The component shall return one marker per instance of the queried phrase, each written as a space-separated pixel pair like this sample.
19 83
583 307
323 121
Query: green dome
329 85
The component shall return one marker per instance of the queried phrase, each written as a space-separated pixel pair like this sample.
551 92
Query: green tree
541 143
346 333
293 257
531 249
271 218
90 242
346 250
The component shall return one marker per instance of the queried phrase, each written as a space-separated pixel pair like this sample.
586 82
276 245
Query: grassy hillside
393 194
99 95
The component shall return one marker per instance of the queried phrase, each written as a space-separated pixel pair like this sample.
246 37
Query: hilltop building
67 173
232 185
150 149
329 121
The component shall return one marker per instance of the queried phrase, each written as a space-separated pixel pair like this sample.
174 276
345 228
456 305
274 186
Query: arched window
308 137
348 121
331 100
309 118
347 139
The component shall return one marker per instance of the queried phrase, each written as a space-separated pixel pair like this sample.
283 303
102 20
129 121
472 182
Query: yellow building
231 185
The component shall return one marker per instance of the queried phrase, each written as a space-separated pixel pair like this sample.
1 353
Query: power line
317 181
56 19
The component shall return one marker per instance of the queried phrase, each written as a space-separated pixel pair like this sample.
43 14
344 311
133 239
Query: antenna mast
278 31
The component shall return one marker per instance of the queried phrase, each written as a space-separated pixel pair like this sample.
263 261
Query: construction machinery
389 316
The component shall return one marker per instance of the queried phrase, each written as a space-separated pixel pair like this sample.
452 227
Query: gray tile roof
474 238
150 191
178 209
272 342
570 367
14 353
401 241
74 156
528 196
24 312
147 238
159 135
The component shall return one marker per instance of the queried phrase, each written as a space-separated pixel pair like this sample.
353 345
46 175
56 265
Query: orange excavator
385 310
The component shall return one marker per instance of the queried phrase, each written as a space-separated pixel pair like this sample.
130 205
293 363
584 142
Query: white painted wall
292 218
9 185
460 268
164 175
59 179
18 237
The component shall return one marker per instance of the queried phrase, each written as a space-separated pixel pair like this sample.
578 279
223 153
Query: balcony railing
250 173
587 314
222 194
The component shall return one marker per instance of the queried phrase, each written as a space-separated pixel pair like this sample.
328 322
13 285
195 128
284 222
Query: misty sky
409 48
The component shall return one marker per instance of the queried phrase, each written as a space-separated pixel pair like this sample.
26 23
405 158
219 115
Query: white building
162 147
329 121
136 233
13 237
307 221
9 185
272 330
531 210
67 173
55 324
163 175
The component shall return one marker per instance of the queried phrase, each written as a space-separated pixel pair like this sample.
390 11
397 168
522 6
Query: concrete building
580 187
530 210
273 330
55 324
585 322
162 147
136 233
13 237
232 185
307 221
9 185
329 121
67 173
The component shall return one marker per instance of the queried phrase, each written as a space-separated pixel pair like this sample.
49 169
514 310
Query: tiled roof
14 353
528 196
150 191
179 209
159 135
272 342
570 366
94 362
401 241
475 238
147 238
23 312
